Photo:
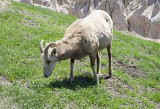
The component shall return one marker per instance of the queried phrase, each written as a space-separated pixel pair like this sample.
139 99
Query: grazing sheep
84 37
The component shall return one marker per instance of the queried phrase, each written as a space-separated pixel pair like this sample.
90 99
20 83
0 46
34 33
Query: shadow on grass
78 82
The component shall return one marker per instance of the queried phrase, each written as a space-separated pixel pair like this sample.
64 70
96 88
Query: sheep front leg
96 76
71 71
110 60
99 64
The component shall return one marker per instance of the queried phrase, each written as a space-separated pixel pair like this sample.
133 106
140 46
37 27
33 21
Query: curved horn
46 49
41 46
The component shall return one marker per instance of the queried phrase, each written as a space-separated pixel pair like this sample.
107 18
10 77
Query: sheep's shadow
78 82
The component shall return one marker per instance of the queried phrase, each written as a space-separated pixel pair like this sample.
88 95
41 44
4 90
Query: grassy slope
21 29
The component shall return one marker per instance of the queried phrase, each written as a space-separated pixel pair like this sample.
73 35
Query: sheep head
48 57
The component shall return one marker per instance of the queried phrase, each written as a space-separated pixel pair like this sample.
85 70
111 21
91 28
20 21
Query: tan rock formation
145 20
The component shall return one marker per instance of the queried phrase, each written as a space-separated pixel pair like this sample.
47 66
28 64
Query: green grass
23 26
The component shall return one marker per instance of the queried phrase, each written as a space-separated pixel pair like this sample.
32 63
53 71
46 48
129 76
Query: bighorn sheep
84 37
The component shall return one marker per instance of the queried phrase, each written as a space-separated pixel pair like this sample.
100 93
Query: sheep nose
46 76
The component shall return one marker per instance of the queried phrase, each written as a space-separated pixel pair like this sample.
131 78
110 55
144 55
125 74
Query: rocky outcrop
145 20
139 16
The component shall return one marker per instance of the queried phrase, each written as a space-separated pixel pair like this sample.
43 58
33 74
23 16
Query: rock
39 2
116 10
82 8
47 3
26 1
146 20
134 17
126 2
119 17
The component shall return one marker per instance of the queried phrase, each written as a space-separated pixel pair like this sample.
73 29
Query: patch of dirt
4 4
132 70
113 84
117 87
31 22
5 103
42 17
27 22
4 81
137 35
70 105
149 90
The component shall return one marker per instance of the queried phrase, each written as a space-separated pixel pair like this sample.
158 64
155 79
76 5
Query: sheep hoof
97 82
69 82
107 77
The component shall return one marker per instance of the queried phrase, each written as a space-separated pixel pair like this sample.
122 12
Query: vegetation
136 66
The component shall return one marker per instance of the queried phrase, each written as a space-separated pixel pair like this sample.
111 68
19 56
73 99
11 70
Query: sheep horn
41 46
48 46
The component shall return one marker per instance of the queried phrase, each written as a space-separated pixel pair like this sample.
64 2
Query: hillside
139 16
136 66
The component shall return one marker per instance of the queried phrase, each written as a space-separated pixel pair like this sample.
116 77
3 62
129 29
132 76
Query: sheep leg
110 60
96 76
71 71
99 64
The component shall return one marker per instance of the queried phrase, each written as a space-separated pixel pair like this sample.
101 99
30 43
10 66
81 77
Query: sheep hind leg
96 76
71 71
110 60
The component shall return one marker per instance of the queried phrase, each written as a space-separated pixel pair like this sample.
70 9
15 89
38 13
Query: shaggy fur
84 37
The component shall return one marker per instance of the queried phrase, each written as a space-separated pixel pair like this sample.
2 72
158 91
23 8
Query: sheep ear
54 51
